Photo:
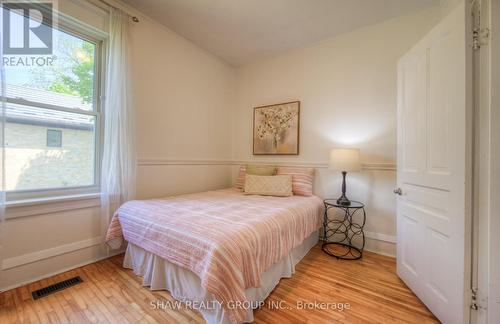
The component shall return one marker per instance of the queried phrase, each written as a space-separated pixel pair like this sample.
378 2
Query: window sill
42 206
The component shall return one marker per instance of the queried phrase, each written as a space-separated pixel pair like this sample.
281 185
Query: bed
222 249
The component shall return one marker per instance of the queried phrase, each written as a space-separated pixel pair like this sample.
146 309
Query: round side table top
354 204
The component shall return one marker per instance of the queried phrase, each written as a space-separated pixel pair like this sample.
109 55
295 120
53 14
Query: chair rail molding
229 162
164 161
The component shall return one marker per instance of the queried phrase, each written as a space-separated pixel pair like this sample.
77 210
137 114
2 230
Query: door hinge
478 301
480 37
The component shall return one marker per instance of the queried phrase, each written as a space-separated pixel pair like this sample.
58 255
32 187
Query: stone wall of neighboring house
31 164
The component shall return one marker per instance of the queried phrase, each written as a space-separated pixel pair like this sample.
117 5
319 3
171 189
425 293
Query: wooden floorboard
368 289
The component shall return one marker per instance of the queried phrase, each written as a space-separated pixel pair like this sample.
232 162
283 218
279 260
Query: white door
433 164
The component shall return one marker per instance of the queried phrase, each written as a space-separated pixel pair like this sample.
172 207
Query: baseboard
381 237
59 271
49 253
381 247
58 251
378 251
379 243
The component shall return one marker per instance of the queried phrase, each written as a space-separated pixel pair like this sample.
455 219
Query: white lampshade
345 160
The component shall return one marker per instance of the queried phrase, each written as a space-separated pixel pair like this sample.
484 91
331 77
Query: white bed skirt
184 285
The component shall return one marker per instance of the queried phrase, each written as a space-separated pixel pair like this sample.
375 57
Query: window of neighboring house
54 138
42 100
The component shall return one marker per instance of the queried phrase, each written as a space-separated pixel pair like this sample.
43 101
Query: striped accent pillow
240 181
302 179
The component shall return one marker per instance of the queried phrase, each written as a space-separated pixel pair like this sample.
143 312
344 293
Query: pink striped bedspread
225 237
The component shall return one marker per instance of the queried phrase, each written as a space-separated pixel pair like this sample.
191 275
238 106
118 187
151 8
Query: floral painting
276 129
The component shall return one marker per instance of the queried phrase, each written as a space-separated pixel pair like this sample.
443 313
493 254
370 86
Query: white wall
183 106
347 89
184 99
448 5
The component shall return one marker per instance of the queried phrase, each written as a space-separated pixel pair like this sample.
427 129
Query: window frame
99 38
59 133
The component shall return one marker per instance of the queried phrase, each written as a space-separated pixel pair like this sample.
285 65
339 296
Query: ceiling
240 31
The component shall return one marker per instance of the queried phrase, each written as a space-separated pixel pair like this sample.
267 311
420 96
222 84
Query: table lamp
344 160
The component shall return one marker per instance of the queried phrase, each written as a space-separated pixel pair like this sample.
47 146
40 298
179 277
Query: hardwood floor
111 294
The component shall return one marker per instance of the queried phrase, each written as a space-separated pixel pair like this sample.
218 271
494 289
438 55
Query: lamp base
343 201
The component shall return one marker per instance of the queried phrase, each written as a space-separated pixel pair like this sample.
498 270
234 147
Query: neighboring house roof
22 114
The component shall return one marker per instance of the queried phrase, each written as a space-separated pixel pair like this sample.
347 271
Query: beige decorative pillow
280 186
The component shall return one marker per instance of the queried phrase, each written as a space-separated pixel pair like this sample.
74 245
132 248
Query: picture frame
276 129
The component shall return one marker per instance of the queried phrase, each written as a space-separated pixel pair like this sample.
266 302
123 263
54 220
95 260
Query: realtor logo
27 27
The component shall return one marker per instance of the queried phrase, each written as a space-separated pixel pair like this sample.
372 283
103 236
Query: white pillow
278 185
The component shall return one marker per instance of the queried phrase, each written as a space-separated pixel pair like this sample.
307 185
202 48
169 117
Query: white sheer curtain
2 155
119 160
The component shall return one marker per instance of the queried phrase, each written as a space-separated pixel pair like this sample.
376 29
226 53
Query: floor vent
56 287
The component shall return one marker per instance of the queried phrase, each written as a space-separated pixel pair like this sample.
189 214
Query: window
45 102
54 138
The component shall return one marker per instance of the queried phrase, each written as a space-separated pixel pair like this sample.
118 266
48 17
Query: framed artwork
276 129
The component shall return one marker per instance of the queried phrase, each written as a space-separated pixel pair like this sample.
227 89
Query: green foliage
72 72
80 81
